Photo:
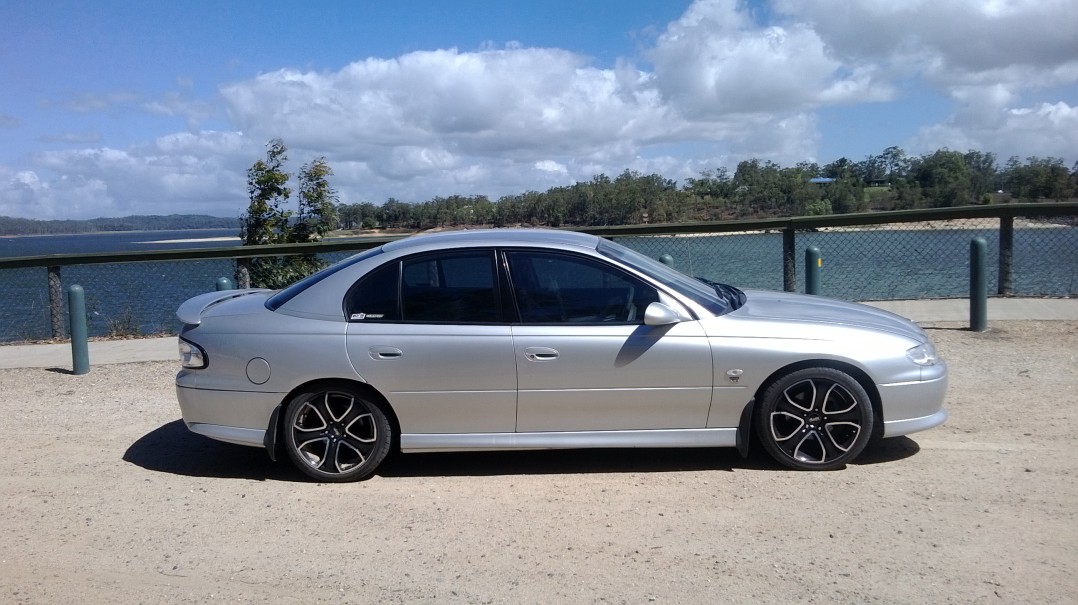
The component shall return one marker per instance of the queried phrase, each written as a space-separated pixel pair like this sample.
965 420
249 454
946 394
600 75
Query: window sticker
368 315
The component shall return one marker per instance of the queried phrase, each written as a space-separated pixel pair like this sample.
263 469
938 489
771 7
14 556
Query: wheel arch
854 372
276 428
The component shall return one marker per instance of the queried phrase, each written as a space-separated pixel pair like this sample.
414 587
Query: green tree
317 214
268 221
944 178
267 185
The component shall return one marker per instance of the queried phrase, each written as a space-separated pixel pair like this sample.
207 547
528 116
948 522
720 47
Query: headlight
923 355
192 355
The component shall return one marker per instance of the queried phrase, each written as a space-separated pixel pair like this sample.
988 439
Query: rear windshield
274 302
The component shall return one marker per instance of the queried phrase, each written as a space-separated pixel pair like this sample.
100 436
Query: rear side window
375 297
452 287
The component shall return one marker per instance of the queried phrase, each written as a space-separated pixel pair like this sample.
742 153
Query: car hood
787 307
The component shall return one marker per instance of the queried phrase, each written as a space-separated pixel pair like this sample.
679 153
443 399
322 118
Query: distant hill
27 226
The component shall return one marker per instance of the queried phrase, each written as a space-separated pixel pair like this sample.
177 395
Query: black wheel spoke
815 418
335 435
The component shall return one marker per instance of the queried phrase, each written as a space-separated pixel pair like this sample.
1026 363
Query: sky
113 108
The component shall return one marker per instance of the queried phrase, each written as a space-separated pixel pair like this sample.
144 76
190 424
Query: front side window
563 288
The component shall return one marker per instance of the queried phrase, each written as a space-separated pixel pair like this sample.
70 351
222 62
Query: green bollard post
223 283
978 285
813 264
76 310
667 260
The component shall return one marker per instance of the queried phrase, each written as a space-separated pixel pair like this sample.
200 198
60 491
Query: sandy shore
108 498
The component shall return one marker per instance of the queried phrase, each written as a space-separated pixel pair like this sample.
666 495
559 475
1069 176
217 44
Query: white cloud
182 173
24 193
72 138
1017 43
714 61
194 112
1047 129
717 86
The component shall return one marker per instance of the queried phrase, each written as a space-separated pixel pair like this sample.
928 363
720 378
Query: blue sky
115 108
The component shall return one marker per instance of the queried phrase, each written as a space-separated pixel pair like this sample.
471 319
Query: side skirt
470 442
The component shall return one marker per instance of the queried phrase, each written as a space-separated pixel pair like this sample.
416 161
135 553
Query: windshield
287 294
713 299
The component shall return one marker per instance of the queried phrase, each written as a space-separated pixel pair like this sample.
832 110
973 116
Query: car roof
493 237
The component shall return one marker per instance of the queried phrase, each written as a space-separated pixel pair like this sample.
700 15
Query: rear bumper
231 416
230 434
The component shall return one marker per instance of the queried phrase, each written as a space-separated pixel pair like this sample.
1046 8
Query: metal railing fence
868 256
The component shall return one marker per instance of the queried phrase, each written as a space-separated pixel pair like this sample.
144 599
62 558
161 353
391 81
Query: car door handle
540 354
384 352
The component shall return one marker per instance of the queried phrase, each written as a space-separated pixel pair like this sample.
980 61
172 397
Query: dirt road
106 497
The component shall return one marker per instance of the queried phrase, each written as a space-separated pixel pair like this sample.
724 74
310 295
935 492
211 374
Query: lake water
120 241
857 265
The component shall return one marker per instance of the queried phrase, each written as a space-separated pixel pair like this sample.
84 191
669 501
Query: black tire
815 419
332 433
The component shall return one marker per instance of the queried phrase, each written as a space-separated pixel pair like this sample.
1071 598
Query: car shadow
629 460
173 449
887 450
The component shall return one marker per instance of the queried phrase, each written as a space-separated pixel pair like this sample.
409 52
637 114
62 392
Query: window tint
456 287
374 298
290 292
561 288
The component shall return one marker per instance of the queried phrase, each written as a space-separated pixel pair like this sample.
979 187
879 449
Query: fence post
223 283
1006 256
813 263
76 310
978 285
56 303
667 260
243 273
789 268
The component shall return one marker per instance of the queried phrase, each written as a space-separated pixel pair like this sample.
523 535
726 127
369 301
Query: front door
586 361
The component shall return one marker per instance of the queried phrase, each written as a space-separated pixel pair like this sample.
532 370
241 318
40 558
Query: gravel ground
107 498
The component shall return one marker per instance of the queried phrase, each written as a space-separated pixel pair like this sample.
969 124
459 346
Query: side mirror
658 314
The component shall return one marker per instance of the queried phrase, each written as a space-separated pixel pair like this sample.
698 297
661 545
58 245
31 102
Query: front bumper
910 407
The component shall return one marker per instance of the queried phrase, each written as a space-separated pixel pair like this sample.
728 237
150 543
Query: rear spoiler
190 312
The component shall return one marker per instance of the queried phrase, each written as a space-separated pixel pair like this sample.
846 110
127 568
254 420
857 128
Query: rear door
428 333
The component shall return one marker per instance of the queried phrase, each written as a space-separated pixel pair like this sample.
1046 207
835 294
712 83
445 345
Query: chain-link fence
861 262
884 262
123 299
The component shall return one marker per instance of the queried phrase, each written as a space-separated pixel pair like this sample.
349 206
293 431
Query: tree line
27 226
891 180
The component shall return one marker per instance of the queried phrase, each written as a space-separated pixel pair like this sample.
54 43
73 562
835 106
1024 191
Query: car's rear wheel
332 433
815 419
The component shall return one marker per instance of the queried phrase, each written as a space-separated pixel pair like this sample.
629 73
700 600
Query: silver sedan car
540 339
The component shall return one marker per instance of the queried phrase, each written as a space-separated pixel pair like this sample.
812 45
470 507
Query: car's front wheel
815 419
332 433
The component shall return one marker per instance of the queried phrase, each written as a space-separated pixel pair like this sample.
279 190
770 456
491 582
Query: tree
944 178
317 203
267 221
